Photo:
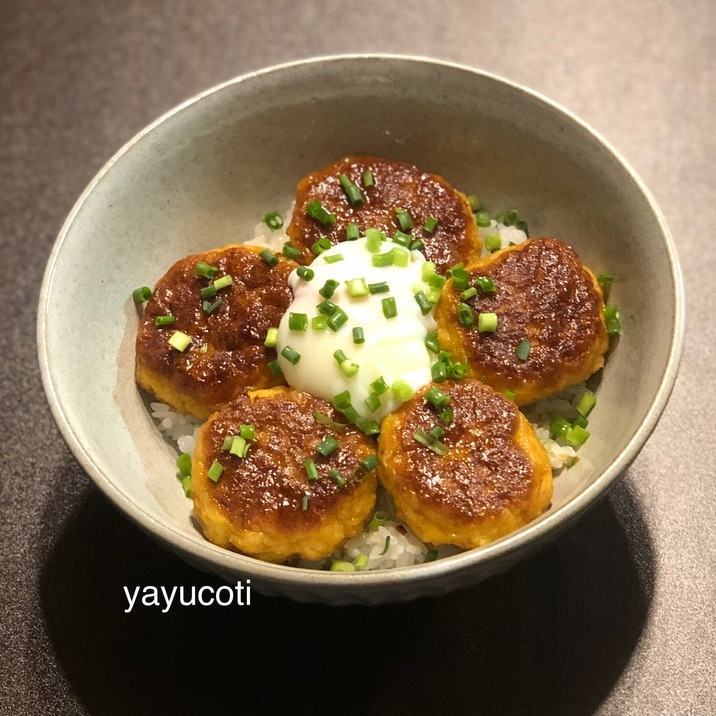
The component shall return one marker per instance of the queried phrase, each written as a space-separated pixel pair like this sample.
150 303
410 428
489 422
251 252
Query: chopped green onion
247 432
402 390
468 293
205 270
523 349
208 291
348 367
358 335
585 403
361 561
374 238
486 284
385 548
460 276
465 315
487 322
226 445
423 303
141 295
327 446
273 220
186 485
437 432
357 287
297 321
319 323
431 555
223 282
333 258
328 288
417 245
311 470
493 243
430 442
431 341
482 218
401 256
368 180
324 419
430 224
317 211
372 402
509 394
335 475
180 341
304 502
378 520
437 397
380 287
239 447
342 566
337 319
459 370
269 257
183 463
352 232
323 244
209 308
522 226
290 252
390 309
581 421
342 400
291 355
576 436
355 198
438 372
214 472
379 386
368 426
271 337
326 308
446 415
613 320
384 259
473 201
401 238
167 320
369 463
274 367
404 219
305 273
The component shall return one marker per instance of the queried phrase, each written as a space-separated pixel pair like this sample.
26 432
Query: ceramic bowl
205 173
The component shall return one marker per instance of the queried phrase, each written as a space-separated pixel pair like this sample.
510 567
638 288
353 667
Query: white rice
392 544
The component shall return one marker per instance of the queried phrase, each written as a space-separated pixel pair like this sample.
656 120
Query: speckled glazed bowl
205 173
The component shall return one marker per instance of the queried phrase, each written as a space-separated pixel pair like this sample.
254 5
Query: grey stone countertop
616 616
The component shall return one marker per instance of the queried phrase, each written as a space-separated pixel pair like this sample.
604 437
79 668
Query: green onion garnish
437 397
482 218
374 238
372 402
585 403
355 198
183 463
317 211
342 566
401 256
431 342
400 237
319 323
390 309
305 273
357 287
405 222
327 421
209 308
164 320
304 502
323 244
382 260
326 308
378 520
271 337
423 303
297 321
368 426
613 320
358 335
430 224
486 284
274 367
269 257
465 315
327 446
402 390
186 485
291 355
342 400
273 220
385 548
335 475
239 446
180 341
352 232
311 470
473 201
379 386
361 561
204 270
468 293
380 287
523 349
430 442
368 180
208 291
247 432
487 322
493 243
290 252
223 282
576 436
328 288
333 258
432 555
214 472
141 295
337 319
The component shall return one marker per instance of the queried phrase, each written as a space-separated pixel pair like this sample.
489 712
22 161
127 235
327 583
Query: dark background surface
615 617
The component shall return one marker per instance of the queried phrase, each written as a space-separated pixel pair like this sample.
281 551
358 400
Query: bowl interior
206 173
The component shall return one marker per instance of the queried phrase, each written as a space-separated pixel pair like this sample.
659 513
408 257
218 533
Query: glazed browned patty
265 504
494 477
397 186
227 353
544 294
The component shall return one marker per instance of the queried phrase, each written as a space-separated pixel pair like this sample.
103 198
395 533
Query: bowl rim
197 547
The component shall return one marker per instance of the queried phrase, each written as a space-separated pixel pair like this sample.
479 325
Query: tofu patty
266 504
492 475
395 186
227 354
549 309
